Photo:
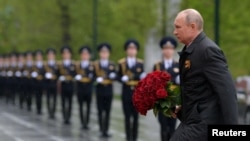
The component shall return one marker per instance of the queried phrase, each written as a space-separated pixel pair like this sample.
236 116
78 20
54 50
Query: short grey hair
193 16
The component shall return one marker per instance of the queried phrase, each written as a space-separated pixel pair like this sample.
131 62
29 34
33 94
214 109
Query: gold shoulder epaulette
59 62
95 62
122 60
157 65
139 60
158 62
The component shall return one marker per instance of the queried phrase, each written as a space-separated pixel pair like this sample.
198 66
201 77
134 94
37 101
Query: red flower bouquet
157 92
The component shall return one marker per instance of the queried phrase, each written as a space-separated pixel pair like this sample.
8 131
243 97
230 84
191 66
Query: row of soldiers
28 76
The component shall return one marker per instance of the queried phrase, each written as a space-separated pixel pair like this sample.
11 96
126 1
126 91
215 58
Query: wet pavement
20 125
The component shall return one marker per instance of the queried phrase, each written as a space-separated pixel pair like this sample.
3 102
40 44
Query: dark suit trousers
67 94
131 115
84 96
167 126
104 95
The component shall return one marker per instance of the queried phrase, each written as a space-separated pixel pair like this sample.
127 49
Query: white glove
25 73
177 79
62 78
112 75
18 74
34 74
143 75
99 79
48 75
9 73
125 78
78 77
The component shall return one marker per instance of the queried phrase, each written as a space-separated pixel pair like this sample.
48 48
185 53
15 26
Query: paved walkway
21 125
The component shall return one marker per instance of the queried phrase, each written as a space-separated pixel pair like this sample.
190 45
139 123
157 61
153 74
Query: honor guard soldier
1 75
131 70
105 73
67 73
37 75
19 77
51 77
12 77
168 45
27 79
5 77
84 84
8 78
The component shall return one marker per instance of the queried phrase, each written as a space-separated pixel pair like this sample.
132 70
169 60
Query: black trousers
1 87
131 115
104 96
84 96
38 95
51 95
20 91
67 90
167 126
9 91
12 90
28 92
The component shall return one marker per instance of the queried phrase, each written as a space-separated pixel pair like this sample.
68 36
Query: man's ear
193 25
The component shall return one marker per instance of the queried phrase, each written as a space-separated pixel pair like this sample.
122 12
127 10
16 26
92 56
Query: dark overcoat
207 90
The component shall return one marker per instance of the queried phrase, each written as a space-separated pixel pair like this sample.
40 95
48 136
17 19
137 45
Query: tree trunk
65 21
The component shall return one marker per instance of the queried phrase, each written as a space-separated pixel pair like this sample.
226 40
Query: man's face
168 52
51 56
39 57
6 60
66 55
85 55
29 57
182 30
131 50
20 59
13 59
104 54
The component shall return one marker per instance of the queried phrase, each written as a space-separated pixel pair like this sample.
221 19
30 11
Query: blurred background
39 24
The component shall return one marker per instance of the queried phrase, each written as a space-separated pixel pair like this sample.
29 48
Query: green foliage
33 24
166 105
234 30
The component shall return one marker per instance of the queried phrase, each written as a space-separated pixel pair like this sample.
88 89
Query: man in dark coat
207 90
